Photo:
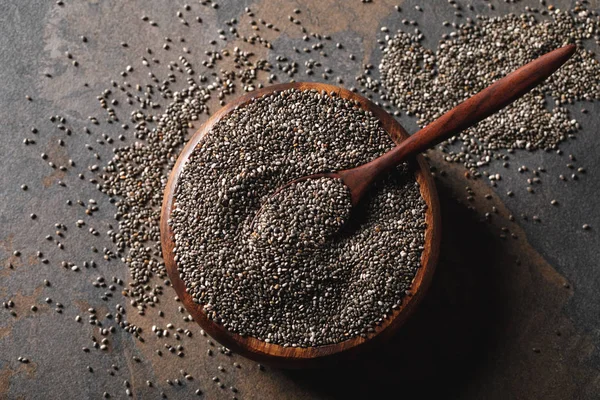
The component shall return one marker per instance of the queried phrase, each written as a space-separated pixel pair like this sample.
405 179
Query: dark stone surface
492 302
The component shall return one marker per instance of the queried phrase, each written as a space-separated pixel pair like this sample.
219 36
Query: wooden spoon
466 114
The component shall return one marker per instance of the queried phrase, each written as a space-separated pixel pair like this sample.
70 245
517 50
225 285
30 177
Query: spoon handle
491 99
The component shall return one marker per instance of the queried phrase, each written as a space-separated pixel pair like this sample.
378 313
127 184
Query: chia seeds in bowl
294 291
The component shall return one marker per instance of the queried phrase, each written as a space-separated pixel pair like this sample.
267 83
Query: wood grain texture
289 357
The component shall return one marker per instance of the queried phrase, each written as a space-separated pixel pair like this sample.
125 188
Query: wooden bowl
296 357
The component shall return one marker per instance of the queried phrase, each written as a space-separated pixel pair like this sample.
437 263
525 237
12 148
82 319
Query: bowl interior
295 357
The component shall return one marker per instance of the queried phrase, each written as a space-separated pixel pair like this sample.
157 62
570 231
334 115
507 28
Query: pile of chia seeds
279 292
427 84
305 213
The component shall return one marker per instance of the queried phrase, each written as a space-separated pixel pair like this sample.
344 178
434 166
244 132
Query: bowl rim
297 357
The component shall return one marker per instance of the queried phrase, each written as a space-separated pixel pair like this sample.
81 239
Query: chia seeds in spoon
307 212
282 293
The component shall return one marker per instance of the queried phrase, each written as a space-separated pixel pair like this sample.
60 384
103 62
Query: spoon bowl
297 357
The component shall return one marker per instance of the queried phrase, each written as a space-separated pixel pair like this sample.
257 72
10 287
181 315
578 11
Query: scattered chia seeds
134 180
320 295
427 84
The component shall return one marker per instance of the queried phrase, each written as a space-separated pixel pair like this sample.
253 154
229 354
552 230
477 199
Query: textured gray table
492 301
